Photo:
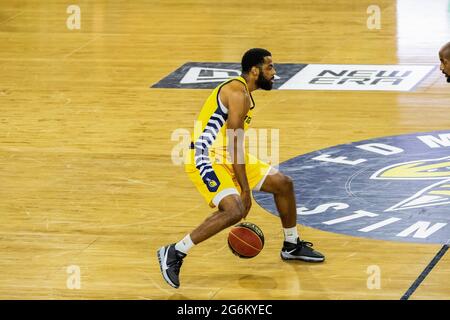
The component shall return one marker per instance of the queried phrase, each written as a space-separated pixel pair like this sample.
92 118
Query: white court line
159 287
138 182
10 18
81 47
215 251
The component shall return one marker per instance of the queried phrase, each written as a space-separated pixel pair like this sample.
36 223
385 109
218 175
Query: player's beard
263 83
446 76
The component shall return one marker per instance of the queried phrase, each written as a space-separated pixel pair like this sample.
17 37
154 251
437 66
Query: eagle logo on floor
429 169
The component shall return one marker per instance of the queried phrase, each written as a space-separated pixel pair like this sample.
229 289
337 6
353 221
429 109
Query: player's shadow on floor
251 282
177 296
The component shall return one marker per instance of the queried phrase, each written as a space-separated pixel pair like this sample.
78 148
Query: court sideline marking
425 272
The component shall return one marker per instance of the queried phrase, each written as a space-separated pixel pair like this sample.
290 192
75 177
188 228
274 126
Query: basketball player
444 56
228 185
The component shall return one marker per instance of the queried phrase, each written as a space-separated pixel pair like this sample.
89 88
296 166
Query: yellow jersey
209 137
210 126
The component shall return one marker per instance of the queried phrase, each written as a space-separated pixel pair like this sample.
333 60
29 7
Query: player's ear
255 71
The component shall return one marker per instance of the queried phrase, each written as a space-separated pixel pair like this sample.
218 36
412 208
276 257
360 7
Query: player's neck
251 84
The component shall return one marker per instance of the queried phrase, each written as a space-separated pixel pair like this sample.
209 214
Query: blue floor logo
391 188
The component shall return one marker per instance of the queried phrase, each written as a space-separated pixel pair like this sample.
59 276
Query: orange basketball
246 240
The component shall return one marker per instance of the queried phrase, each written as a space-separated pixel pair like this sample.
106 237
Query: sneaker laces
176 265
305 243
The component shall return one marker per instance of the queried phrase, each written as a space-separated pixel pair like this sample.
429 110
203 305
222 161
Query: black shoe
302 250
170 261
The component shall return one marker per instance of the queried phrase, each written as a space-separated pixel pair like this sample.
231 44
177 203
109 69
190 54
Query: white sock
290 234
185 244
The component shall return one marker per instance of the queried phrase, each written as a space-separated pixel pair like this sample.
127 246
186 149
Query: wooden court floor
86 177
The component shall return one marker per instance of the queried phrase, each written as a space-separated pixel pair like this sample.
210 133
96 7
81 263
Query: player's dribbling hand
246 197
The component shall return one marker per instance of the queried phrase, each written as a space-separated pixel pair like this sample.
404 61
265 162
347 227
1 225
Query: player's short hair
446 50
253 57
